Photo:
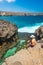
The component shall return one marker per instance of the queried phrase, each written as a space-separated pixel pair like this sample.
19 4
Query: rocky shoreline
30 56
4 13
8 36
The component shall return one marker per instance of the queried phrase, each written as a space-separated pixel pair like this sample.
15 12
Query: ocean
26 24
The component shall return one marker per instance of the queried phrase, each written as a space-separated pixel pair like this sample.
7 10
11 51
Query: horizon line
20 12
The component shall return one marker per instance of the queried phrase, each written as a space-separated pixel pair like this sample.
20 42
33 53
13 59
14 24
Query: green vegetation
21 45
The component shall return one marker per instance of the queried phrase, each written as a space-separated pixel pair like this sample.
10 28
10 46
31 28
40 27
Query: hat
32 36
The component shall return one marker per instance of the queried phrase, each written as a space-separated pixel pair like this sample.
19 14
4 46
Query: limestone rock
30 56
8 36
4 63
7 29
39 32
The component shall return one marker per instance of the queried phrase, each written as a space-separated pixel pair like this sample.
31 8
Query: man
32 41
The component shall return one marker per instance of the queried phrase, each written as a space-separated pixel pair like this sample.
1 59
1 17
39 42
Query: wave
29 29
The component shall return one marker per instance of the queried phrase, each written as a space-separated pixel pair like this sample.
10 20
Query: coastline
4 13
23 37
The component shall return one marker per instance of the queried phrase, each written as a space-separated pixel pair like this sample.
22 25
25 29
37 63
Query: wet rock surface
8 36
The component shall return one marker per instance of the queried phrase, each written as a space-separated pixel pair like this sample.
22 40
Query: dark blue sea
25 23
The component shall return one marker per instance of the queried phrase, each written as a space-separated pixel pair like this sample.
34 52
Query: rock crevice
8 36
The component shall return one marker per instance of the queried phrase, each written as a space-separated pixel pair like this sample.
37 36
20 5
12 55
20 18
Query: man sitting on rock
31 42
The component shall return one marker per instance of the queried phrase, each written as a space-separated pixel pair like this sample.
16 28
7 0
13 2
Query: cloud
10 1
1 0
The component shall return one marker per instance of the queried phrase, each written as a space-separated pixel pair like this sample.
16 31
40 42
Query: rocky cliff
4 13
39 33
30 56
8 36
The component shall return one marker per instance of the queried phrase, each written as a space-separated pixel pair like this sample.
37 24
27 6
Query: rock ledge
8 36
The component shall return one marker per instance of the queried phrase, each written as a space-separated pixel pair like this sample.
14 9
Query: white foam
28 29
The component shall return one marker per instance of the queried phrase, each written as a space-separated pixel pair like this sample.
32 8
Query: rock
30 56
4 63
17 63
8 36
7 30
39 33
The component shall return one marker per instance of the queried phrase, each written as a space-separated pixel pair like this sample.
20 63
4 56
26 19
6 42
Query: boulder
8 36
39 33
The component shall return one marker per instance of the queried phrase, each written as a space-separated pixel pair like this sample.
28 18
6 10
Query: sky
21 5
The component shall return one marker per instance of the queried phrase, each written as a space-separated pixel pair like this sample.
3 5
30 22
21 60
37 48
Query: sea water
25 23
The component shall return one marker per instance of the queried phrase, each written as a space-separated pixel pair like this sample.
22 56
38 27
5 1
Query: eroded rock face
39 33
7 29
8 36
30 56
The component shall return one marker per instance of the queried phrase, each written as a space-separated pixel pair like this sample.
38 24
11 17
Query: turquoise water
25 23
13 50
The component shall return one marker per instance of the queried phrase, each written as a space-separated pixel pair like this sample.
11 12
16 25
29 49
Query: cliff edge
30 56
8 36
